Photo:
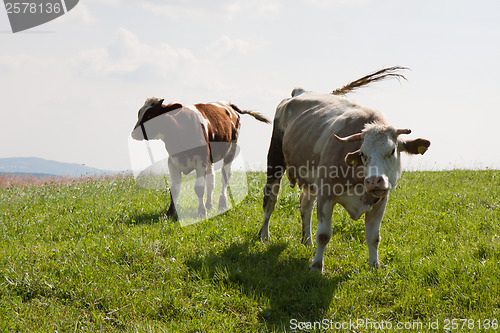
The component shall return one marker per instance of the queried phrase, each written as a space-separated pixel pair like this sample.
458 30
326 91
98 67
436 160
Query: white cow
338 153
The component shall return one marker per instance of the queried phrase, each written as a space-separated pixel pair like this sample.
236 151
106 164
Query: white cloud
187 9
330 3
108 2
18 60
258 6
127 56
23 62
80 13
225 45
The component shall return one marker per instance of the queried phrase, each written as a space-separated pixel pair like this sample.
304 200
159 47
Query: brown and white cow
195 137
338 153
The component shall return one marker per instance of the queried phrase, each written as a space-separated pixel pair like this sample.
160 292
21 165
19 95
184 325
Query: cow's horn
350 138
403 131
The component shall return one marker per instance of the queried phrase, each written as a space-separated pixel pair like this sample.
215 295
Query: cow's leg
226 175
307 198
210 183
199 187
373 218
324 232
271 191
172 211
175 188
275 171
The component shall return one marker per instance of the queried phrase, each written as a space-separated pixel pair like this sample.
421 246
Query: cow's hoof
307 241
202 212
264 238
316 267
222 203
209 205
172 216
172 213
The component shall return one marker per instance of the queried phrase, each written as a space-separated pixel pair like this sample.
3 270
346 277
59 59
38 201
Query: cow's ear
353 159
417 146
147 115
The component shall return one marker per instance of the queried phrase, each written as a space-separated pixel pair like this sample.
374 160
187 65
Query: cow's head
380 155
151 109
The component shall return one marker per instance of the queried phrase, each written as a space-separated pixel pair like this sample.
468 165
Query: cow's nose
374 182
137 134
377 186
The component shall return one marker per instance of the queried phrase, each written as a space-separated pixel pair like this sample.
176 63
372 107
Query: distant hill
31 174
39 167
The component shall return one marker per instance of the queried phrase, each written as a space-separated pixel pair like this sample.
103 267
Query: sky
70 89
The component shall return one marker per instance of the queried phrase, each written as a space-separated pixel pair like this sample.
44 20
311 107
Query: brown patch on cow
323 239
222 129
158 111
219 128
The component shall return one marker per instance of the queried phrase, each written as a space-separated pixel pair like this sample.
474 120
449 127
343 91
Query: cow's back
222 121
308 122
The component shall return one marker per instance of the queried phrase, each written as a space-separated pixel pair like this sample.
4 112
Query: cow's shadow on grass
150 218
268 275
161 216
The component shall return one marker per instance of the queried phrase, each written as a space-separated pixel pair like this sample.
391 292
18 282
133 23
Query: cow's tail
256 115
389 72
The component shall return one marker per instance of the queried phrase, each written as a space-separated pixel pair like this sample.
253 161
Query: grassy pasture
99 255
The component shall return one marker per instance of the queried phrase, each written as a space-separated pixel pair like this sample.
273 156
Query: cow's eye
362 155
393 151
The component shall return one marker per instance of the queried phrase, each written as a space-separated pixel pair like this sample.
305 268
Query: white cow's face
380 154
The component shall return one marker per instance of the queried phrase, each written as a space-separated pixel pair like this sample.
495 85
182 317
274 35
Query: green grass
100 256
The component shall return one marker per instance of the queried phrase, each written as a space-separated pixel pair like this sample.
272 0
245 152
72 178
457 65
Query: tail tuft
256 115
374 77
